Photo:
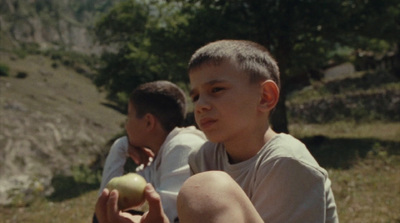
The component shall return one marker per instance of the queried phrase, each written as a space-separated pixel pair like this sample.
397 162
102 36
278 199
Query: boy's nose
202 105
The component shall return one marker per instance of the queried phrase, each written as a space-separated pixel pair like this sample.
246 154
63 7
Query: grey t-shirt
283 181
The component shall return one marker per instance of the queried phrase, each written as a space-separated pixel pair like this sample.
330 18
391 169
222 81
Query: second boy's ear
150 121
269 96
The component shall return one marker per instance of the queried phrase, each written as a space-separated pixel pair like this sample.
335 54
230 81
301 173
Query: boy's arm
174 170
290 191
115 161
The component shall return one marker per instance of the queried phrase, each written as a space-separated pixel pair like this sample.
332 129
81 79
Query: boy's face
134 126
225 102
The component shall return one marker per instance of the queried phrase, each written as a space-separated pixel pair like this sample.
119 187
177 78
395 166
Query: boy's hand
107 209
140 155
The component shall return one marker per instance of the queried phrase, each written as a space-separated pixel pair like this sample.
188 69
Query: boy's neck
157 140
247 147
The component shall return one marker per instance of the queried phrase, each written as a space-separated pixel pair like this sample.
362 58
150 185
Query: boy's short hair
252 58
163 99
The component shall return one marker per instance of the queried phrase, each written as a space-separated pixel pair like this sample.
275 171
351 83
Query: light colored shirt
168 170
283 181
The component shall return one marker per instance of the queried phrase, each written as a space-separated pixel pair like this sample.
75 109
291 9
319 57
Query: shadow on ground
83 180
66 187
343 153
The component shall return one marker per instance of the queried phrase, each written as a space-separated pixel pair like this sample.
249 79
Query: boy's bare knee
214 196
202 195
210 180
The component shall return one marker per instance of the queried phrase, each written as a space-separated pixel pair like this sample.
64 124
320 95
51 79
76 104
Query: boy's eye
195 98
216 89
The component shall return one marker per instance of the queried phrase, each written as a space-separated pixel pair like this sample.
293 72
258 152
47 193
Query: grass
78 209
369 191
363 161
379 130
364 174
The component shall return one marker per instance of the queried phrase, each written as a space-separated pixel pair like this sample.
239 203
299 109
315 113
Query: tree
154 39
301 34
140 35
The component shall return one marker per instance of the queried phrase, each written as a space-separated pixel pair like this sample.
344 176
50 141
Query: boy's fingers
148 152
112 207
155 213
148 156
153 198
139 155
101 207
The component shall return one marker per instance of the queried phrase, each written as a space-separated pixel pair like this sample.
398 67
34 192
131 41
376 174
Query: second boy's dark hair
251 58
163 99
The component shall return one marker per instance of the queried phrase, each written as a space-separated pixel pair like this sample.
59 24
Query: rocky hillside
60 24
52 119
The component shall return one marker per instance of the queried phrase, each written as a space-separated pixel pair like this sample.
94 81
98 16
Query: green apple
130 190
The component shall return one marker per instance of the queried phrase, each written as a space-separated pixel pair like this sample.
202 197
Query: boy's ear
269 96
150 121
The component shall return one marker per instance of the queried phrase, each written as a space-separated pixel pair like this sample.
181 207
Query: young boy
247 172
155 112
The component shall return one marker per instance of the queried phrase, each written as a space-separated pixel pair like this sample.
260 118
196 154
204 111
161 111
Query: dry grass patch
368 192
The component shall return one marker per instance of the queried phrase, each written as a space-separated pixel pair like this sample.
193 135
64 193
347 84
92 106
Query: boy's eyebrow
209 83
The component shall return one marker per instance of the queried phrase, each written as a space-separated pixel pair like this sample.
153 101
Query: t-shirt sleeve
115 161
288 190
203 159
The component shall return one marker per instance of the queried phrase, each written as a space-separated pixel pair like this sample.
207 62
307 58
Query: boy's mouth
206 123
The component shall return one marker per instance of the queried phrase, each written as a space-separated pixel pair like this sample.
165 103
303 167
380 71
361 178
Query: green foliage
154 39
83 174
143 36
4 70
307 38
302 35
124 23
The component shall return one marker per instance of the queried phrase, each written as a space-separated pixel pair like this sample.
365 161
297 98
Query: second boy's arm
174 170
115 161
